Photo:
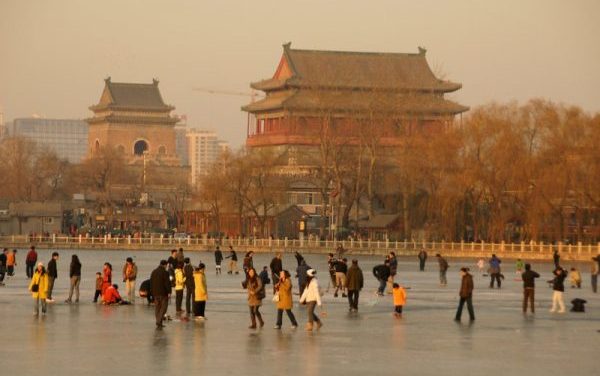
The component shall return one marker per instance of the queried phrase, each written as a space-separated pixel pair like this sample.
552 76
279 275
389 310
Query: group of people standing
187 280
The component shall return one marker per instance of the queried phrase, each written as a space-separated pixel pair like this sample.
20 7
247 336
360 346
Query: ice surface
95 339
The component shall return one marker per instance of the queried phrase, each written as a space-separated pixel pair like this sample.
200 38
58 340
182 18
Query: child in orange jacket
399 294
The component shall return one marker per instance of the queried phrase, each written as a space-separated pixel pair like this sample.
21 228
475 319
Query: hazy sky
55 54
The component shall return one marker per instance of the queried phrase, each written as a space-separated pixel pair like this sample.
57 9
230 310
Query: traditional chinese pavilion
345 87
134 119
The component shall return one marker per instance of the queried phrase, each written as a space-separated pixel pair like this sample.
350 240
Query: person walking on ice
312 298
465 294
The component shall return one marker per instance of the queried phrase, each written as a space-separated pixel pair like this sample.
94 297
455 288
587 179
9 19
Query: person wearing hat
311 297
129 275
39 288
466 295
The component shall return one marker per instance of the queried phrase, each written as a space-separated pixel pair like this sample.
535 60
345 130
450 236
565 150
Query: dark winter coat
466 286
160 284
381 272
354 278
558 283
218 257
188 272
276 266
75 269
529 277
52 270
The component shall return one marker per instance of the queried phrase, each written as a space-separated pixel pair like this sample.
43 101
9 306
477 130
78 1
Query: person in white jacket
311 297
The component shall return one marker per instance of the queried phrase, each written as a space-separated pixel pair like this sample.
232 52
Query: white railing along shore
356 246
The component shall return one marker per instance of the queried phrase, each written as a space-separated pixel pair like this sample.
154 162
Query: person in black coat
558 287
75 276
160 285
146 291
382 273
52 275
218 260
276 268
529 277
190 285
233 262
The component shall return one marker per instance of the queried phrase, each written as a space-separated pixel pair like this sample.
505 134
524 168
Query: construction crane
253 94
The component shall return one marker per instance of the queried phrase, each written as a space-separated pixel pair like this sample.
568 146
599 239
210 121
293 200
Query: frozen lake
96 339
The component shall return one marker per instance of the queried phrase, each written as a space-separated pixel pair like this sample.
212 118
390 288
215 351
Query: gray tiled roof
135 95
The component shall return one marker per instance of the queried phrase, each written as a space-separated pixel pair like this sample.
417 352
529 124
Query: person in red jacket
112 296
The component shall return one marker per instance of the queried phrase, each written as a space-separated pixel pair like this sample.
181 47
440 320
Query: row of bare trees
505 172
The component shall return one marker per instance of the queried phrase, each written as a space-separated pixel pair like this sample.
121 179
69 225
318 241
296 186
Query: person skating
331 261
130 271
75 279
256 293
218 260
276 266
443 265
301 274
52 275
312 298
248 262
465 294
556 259
233 261
188 272
519 266
298 257
355 282
558 287
399 294
160 286
341 268
382 273
30 261
179 286
200 292
11 262
39 289
422 259
528 278
495 271
393 263
284 289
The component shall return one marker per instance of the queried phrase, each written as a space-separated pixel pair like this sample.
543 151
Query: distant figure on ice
443 264
575 277
495 271
422 259
233 261
218 260
556 259
160 286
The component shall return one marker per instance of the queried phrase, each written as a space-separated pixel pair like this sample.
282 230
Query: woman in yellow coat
284 291
39 288
200 292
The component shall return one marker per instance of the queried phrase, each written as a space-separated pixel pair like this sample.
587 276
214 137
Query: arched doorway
140 147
